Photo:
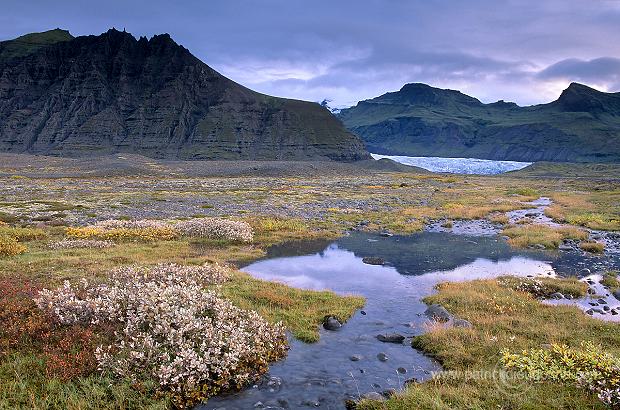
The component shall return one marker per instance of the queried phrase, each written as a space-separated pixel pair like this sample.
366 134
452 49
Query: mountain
582 125
112 93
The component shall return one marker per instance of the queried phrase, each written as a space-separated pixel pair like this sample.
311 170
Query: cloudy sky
525 51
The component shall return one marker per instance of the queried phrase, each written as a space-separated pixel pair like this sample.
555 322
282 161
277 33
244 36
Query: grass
545 287
592 247
594 210
610 280
523 236
25 386
300 310
502 317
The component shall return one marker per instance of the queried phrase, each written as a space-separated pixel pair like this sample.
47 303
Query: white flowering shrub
129 224
81 244
212 228
173 330
216 228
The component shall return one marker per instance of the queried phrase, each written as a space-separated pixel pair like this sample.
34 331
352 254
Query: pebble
382 357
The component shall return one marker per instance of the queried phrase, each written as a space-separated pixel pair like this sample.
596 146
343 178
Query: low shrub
193 342
587 367
81 244
22 234
147 234
216 228
10 246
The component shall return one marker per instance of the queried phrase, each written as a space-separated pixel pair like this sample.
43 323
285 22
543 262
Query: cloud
604 71
520 50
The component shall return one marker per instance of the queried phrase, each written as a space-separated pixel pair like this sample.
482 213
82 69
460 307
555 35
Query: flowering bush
81 243
10 246
193 342
588 367
150 230
216 228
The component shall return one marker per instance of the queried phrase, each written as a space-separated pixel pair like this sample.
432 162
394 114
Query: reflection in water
322 374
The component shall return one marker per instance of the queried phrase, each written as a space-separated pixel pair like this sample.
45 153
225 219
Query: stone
382 357
602 301
363 312
331 323
438 313
590 312
373 260
401 370
355 358
412 380
386 234
616 294
387 393
391 338
373 395
462 323
556 295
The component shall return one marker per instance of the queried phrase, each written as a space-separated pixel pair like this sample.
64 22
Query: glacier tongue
457 165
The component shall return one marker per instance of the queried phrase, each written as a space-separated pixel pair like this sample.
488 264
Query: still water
323 374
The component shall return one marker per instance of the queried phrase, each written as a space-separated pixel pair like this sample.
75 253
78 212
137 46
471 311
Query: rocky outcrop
114 93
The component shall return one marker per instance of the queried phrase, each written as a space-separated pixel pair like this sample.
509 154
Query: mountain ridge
582 125
113 93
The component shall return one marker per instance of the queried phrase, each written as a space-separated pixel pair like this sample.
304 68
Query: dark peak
420 93
577 87
45 37
581 98
503 104
415 87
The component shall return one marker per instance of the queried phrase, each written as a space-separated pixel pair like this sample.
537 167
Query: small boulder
602 301
387 393
391 338
331 323
438 313
373 395
355 358
556 295
590 312
616 294
386 234
382 357
462 323
373 260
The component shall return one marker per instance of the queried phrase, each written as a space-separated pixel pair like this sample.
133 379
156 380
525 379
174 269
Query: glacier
473 166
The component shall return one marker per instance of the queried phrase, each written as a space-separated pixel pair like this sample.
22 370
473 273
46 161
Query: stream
350 362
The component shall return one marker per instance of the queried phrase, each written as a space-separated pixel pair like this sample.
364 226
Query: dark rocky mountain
113 93
582 125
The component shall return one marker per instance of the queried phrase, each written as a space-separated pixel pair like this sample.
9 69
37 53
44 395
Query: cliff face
583 125
112 93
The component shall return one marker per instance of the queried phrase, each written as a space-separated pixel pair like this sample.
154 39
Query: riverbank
37 209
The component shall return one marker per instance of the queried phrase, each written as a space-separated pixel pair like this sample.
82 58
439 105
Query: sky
526 51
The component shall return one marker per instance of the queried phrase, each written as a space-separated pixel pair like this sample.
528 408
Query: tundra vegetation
72 248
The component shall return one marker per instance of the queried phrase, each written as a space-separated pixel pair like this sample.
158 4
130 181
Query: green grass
502 318
301 311
25 386
550 237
